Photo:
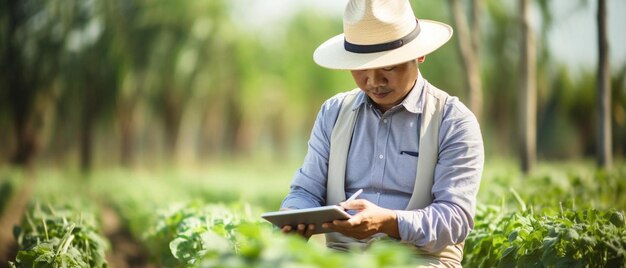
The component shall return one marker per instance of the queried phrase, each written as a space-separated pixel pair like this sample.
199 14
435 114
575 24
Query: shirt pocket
405 172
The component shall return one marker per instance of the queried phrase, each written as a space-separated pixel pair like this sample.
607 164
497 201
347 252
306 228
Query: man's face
387 86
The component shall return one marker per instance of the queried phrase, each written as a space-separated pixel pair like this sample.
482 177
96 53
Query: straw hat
379 33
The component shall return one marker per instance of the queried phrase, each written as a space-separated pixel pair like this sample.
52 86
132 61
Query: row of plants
135 196
181 224
565 215
576 185
554 238
59 236
183 235
216 235
200 235
541 224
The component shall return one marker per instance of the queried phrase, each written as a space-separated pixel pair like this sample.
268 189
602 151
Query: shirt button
385 121
381 156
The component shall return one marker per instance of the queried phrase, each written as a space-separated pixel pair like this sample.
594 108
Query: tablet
317 216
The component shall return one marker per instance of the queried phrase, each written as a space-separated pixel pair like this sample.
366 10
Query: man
415 151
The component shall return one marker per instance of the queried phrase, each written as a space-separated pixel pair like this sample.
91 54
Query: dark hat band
384 46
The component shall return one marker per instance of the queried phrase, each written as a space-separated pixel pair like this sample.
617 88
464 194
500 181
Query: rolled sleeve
434 227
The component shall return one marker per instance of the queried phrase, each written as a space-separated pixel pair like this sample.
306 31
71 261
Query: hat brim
332 54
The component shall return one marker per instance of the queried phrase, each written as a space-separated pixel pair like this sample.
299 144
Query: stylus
354 196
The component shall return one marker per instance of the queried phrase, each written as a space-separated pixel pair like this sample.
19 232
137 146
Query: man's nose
375 78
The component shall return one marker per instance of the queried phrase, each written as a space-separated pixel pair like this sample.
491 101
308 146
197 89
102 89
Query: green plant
557 238
59 237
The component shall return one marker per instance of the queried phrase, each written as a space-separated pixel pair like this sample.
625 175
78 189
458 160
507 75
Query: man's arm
458 172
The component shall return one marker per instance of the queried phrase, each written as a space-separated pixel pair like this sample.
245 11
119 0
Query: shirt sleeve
308 187
449 219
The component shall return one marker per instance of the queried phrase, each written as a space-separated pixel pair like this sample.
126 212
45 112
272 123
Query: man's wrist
391 225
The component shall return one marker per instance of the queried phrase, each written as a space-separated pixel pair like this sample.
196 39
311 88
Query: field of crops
563 215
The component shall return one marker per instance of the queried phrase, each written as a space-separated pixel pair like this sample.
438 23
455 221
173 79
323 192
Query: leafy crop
527 228
58 237
184 233
565 238
220 236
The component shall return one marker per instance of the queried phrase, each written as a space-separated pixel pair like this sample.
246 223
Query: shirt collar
412 103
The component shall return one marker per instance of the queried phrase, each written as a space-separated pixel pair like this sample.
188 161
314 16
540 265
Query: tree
468 38
88 77
33 35
131 46
528 90
604 154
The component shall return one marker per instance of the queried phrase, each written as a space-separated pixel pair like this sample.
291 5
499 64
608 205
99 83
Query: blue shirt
382 160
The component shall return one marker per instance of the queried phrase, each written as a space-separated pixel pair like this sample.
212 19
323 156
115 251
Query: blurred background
142 83
162 101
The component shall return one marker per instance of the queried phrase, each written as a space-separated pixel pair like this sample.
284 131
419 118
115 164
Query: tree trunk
245 136
213 129
467 43
279 136
604 154
172 116
126 118
127 133
22 93
27 142
233 124
86 129
477 13
528 91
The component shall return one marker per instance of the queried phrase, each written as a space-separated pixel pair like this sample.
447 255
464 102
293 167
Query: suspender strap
340 140
428 148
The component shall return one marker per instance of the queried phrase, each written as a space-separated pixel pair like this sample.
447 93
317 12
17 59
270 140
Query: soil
12 216
125 251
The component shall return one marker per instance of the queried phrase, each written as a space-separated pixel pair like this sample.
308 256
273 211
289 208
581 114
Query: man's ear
421 59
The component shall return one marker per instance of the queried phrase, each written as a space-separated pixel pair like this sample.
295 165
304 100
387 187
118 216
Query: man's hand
370 219
302 230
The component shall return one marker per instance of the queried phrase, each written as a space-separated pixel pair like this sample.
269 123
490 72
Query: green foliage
519 221
579 185
141 78
562 215
59 237
195 235
566 238
184 233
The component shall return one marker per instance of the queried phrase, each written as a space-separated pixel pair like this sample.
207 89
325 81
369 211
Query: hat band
384 46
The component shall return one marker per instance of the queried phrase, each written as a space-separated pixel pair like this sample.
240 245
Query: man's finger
309 230
301 228
358 204
354 221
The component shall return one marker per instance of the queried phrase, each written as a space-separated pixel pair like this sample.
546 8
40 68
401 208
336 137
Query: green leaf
513 236
180 248
616 218
572 234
